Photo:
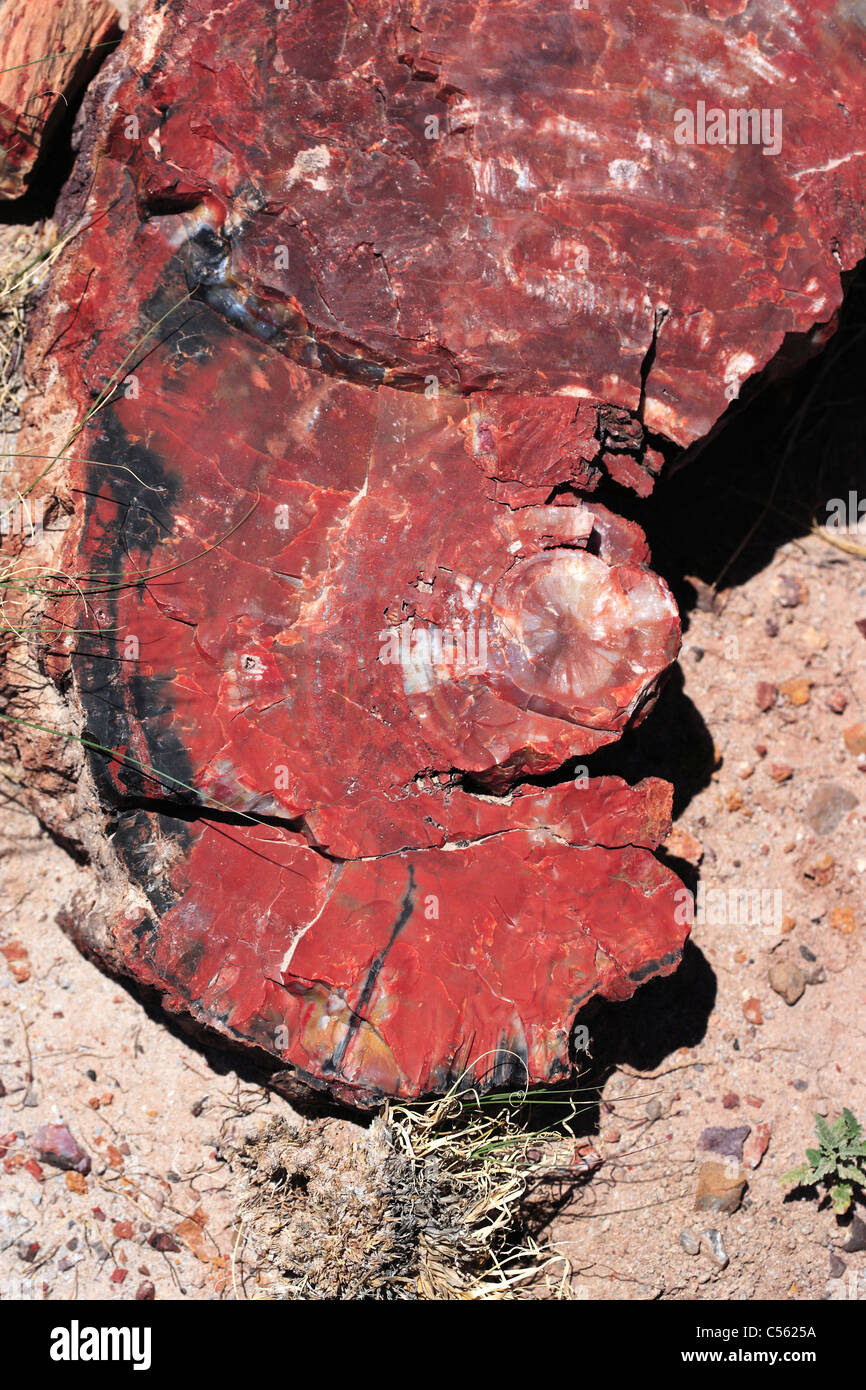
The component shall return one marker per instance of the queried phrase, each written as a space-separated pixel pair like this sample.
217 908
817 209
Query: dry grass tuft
841 539
426 1204
26 257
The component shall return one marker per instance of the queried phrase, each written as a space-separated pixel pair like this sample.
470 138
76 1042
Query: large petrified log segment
48 50
494 194
400 974
269 560
368 366
354 531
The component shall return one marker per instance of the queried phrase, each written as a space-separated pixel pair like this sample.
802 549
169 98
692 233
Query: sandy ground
77 1049
623 1231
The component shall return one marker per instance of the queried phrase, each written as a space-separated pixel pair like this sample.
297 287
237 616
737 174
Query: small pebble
797 691
683 845
726 1142
827 806
855 738
720 1188
752 1011
790 590
765 694
161 1240
821 870
757 1144
842 919
781 772
856 1241
716 1247
787 980
690 1243
55 1145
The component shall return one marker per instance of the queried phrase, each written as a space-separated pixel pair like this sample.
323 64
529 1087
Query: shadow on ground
770 468
766 475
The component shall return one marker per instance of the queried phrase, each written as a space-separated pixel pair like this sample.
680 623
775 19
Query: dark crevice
646 365
794 441
193 810
57 153
672 742
403 916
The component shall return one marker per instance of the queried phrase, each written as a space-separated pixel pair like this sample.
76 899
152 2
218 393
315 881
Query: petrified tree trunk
48 50
368 297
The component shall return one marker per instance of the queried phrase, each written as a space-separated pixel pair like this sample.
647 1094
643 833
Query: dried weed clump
21 250
425 1204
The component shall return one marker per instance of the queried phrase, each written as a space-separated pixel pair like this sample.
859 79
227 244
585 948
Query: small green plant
839 1162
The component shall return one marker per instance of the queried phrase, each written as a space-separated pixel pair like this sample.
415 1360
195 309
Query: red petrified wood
48 49
382 290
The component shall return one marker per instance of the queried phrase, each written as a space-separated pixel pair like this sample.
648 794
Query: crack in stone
358 1017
